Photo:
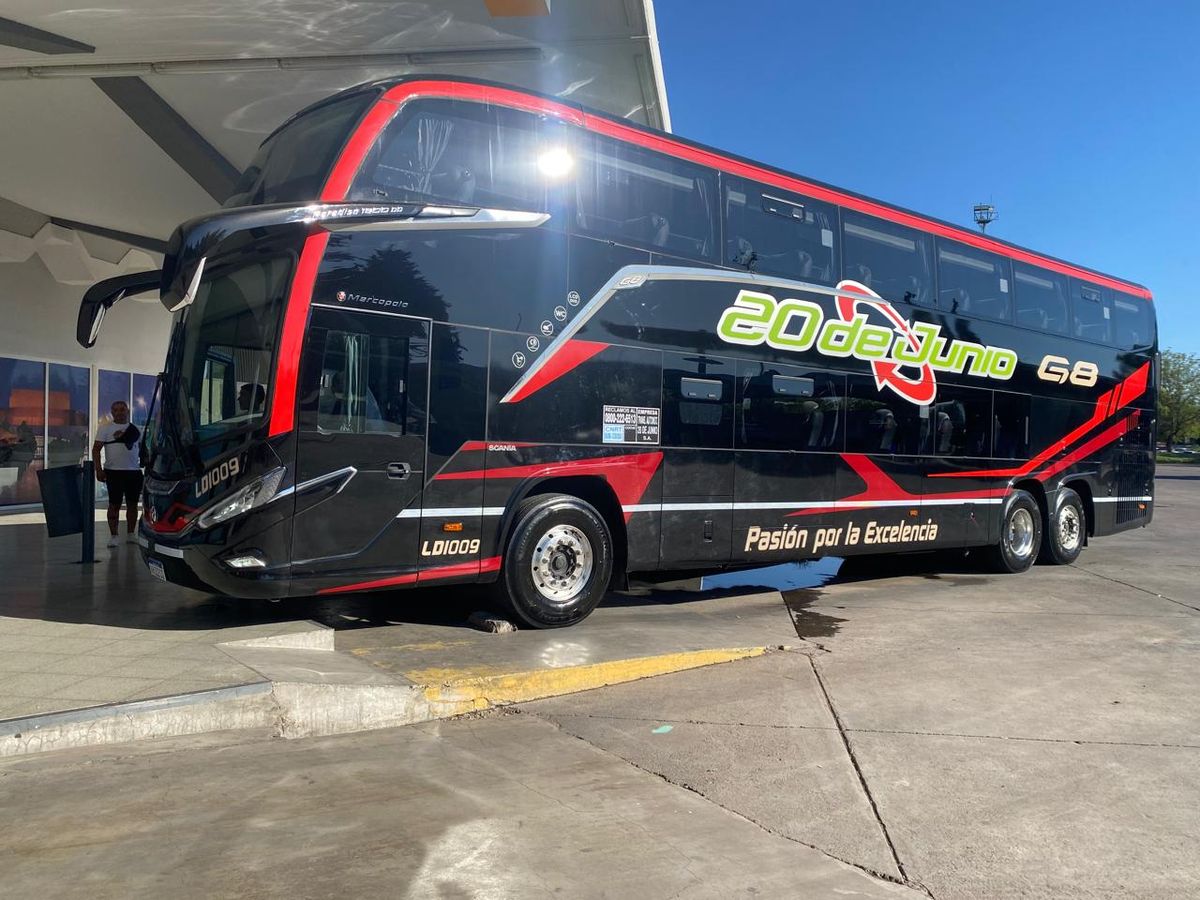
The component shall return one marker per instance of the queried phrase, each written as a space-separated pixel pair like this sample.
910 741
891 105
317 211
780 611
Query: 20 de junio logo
800 325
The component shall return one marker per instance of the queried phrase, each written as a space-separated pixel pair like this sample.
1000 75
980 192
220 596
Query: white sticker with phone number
631 424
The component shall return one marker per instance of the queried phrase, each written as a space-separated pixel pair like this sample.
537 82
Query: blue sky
1080 121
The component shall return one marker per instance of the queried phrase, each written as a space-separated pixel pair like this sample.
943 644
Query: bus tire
1020 533
1065 528
558 562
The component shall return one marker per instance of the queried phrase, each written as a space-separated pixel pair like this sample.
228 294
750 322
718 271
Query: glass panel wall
143 394
46 418
111 387
68 402
22 429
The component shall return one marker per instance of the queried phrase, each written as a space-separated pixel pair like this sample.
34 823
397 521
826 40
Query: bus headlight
256 493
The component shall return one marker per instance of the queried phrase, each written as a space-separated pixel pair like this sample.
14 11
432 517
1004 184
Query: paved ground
75 636
977 735
1002 736
507 807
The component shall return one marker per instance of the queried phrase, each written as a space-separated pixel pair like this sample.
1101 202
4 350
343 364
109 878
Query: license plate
157 570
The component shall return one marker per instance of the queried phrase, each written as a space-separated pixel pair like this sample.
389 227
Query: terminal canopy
123 121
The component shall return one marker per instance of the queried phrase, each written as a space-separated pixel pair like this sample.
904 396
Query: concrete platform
83 648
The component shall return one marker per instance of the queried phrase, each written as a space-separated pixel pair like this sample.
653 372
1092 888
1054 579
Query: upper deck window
467 154
779 234
973 282
1133 322
1092 316
1041 299
647 199
292 164
893 261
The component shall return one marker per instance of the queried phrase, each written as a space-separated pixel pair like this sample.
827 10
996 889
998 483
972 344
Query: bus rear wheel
1065 528
558 562
1020 533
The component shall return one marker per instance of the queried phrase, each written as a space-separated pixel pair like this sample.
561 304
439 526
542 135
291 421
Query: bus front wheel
558 562
1020 533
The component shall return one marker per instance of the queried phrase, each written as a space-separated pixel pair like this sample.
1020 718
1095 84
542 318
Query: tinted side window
358 371
640 197
960 422
880 422
769 231
292 164
1133 321
1092 318
469 154
894 261
697 406
973 282
787 408
1010 425
364 380
1041 299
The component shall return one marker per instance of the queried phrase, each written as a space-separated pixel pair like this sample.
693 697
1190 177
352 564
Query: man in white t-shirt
121 471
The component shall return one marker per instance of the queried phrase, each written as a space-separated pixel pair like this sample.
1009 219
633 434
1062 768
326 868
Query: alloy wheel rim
1020 533
562 563
1069 532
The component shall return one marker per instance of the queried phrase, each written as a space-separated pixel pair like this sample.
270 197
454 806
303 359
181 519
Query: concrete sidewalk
74 636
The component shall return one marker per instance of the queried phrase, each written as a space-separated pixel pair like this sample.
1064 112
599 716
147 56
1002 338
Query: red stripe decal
629 476
1108 403
350 160
1103 439
879 488
491 564
485 93
565 358
287 360
392 581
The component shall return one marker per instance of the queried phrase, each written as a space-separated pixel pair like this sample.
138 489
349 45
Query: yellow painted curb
474 692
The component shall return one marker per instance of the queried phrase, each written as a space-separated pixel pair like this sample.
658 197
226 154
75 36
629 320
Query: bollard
87 501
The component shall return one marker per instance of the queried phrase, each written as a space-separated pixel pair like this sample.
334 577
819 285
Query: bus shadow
46 582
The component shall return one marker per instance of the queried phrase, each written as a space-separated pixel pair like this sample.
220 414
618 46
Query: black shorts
123 485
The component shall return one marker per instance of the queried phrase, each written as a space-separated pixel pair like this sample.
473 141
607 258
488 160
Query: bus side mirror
103 295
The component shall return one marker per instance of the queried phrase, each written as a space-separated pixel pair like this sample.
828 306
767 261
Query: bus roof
457 87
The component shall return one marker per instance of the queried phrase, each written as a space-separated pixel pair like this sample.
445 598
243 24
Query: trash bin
62 499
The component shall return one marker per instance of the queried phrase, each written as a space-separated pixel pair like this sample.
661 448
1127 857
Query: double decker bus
448 331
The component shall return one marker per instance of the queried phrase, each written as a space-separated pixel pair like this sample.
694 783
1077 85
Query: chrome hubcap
1069 532
562 563
1020 533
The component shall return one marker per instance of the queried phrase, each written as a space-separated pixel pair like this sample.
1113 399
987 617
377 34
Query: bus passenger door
697 438
360 457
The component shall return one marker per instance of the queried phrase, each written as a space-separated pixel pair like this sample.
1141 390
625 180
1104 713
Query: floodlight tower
985 214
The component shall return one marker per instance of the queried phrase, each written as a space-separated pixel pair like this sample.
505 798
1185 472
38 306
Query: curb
350 702
222 709
472 693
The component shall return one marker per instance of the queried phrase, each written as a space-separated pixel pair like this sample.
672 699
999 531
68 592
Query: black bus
448 331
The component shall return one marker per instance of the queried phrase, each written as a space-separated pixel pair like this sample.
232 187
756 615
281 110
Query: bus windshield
225 351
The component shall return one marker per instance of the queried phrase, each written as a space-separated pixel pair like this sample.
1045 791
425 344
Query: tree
1178 396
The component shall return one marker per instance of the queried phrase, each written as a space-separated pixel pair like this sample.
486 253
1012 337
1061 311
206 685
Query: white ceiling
235 69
